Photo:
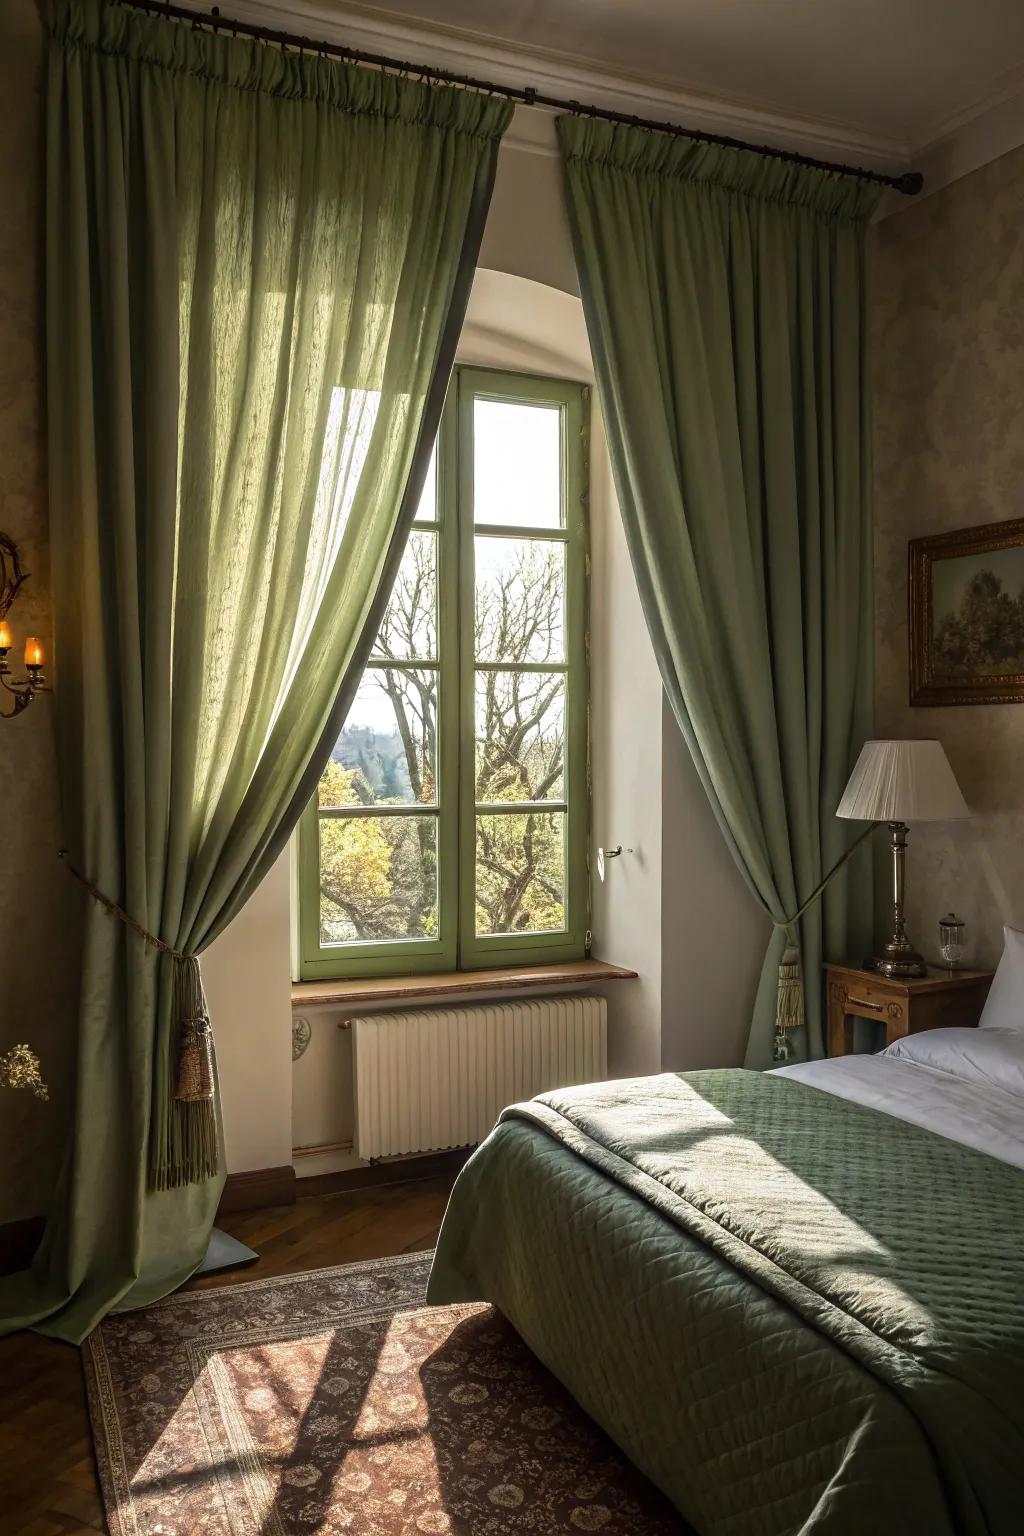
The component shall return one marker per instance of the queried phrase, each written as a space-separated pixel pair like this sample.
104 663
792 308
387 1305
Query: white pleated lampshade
902 781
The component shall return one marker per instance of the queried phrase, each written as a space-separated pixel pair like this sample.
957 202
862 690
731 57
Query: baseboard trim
257 1187
18 1243
402 1171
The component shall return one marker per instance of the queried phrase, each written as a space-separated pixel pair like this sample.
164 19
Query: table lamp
897 782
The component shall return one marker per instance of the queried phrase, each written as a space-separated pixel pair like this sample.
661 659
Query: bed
794 1299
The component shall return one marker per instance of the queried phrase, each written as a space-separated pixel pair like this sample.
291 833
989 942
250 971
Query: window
450 826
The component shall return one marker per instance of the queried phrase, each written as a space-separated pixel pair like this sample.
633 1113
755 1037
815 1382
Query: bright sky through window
516 464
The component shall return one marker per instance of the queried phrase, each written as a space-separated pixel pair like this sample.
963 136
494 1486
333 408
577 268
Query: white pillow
990 1057
1004 1006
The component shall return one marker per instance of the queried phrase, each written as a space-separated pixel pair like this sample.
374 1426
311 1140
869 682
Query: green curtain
258 266
724 299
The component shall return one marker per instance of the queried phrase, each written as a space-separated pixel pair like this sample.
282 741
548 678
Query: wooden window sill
372 989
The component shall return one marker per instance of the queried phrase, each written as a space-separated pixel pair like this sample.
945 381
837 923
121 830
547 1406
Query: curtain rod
908 182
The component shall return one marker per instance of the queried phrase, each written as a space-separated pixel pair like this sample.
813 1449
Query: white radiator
435 1078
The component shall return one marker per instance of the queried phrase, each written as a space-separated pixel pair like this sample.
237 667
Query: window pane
426 512
520 735
387 752
409 627
520 873
517 464
378 878
520 597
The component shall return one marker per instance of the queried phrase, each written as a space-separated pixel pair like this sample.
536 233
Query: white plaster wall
247 976
713 931
626 695
527 230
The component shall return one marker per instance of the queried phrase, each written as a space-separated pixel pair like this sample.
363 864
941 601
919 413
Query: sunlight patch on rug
336 1403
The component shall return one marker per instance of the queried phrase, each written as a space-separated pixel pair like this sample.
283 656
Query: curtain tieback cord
789 1007
195 1076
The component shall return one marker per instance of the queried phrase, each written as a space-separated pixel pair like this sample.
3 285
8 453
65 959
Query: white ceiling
903 71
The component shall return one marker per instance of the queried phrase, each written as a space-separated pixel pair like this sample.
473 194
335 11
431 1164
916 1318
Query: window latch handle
604 854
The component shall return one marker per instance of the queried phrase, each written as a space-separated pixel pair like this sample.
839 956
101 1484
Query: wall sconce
24 689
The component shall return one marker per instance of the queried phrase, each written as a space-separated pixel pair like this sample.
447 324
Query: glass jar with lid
951 941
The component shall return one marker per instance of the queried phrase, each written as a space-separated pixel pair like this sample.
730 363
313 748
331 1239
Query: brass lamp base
897 960
898 957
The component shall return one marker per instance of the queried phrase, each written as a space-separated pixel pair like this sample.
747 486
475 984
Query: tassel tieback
789 1006
195 1076
183 1143
195 1061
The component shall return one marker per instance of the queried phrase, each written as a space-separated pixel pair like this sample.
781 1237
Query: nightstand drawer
867 998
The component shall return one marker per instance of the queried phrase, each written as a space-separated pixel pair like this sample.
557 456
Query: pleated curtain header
637 152
246 64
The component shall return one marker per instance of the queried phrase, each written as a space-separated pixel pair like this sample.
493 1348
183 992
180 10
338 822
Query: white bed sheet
981 1116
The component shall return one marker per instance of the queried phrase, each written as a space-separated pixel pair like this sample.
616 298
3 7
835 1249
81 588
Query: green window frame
448 817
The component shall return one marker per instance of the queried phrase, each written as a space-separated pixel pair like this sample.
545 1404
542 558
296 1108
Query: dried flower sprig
20 1069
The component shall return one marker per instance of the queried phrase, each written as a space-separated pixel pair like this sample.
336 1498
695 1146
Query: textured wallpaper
948 359
37 908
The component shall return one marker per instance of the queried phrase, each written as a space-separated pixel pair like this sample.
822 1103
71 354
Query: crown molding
978 132
1007 89
573 76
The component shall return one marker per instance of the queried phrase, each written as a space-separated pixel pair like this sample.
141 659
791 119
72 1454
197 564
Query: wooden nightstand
940 1000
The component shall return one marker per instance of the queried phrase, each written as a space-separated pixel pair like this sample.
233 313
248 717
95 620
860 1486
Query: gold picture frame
967 616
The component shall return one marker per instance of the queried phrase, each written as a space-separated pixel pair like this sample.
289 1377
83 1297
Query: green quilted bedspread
796 1314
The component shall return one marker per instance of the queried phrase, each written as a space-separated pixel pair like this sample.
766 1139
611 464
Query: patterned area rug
337 1402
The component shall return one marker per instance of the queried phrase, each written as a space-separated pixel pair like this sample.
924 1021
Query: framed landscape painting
967 616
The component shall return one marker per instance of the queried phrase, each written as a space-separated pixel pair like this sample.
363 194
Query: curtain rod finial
910 183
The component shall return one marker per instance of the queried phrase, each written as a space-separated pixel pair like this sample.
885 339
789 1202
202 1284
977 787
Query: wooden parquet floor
48 1481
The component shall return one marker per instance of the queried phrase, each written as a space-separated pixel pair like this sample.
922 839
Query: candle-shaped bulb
34 653
5 636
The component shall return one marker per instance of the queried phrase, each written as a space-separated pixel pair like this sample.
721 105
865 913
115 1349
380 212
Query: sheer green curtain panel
258 265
